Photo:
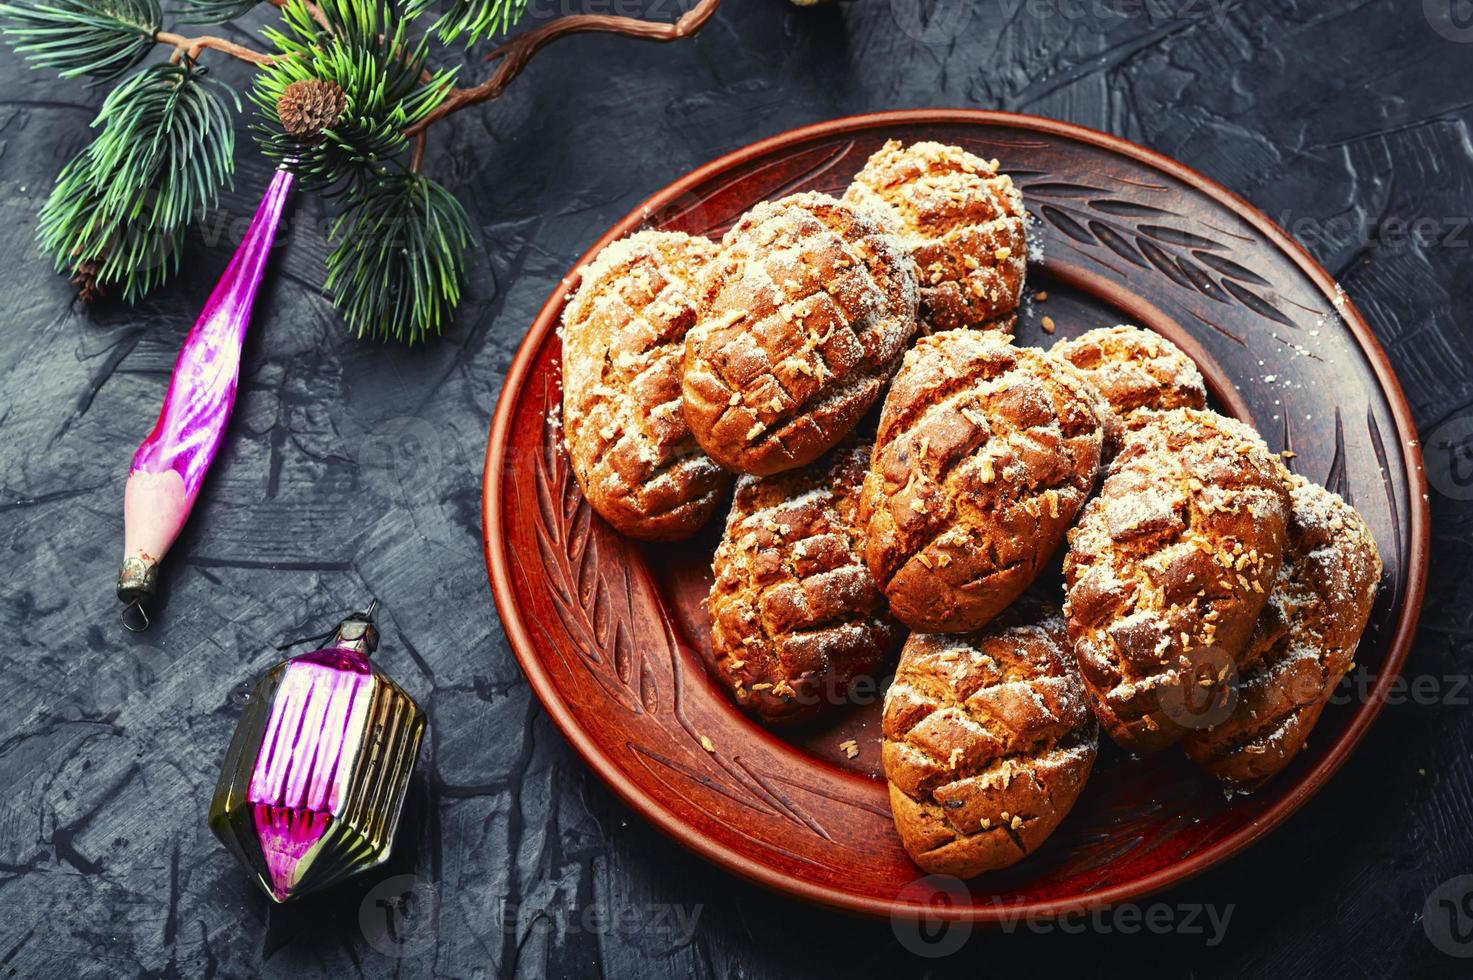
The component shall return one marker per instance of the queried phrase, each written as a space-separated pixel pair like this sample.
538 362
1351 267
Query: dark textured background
354 470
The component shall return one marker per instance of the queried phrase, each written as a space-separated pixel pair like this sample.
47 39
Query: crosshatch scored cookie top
1169 566
795 615
964 224
988 739
623 338
1134 369
802 320
985 454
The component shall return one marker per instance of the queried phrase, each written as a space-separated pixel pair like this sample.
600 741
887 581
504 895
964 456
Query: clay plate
612 634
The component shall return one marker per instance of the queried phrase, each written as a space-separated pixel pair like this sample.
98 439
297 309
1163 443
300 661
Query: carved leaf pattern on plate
1135 232
579 555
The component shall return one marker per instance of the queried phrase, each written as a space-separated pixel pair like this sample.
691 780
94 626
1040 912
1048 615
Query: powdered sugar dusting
623 337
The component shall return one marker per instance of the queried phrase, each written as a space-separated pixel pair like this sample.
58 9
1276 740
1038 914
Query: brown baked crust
963 222
795 615
1169 568
988 739
984 456
802 318
623 337
1134 369
1303 643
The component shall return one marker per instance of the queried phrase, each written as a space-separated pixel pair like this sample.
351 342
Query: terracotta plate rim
522 645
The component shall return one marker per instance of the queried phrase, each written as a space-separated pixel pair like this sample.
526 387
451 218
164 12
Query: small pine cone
84 277
309 106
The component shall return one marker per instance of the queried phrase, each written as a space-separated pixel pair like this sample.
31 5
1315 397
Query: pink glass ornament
316 775
170 465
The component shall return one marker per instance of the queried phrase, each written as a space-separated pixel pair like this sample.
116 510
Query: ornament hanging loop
357 631
134 617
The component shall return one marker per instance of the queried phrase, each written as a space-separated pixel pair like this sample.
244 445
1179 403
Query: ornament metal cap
358 632
138 579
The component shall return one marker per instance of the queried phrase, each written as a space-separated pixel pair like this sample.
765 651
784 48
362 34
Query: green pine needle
214 11
396 267
99 38
122 206
475 19
380 70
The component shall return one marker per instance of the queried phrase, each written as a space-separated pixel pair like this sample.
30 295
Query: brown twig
516 53
312 9
417 156
513 55
192 46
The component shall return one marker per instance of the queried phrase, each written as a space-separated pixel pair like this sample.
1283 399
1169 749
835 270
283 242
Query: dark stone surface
354 470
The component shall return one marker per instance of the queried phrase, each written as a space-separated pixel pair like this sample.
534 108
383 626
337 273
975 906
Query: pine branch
473 19
396 268
98 38
344 100
383 76
121 207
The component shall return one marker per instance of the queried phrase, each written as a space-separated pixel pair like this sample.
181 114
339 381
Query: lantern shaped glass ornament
316 775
